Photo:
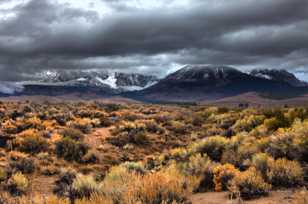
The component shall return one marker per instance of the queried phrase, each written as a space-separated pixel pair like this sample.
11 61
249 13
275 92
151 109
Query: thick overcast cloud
151 36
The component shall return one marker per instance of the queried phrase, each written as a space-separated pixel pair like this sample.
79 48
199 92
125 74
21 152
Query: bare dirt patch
275 197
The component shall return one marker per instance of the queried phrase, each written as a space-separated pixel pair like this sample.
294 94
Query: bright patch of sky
6 7
107 7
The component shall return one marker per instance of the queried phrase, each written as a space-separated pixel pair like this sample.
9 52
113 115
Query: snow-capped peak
93 78
203 72
110 81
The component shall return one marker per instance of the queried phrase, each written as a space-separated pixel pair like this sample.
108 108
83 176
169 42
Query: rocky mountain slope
212 82
278 75
99 82
189 84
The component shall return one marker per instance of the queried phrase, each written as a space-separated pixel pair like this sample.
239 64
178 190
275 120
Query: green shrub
139 138
134 167
72 133
282 145
248 123
33 144
24 165
212 146
177 127
84 186
280 121
260 162
3 174
71 150
195 166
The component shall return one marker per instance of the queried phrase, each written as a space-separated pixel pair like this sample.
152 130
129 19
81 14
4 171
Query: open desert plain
153 102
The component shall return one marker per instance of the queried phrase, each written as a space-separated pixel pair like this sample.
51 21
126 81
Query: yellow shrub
248 123
83 124
212 146
164 186
18 184
179 154
249 184
223 174
285 173
260 162
85 186
116 183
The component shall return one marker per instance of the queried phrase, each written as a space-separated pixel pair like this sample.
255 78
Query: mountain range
190 84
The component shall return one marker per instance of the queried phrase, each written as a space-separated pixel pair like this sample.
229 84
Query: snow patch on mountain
279 75
264 76
102 79
110 81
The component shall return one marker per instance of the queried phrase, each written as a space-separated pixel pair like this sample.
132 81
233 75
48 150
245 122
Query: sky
151 36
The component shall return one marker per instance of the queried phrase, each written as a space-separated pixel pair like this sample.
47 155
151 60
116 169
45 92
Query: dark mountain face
208 82
278 75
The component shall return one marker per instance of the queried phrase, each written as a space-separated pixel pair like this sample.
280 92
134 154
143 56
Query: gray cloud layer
246 33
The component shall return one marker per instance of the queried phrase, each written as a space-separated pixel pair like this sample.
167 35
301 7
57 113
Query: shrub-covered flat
93 152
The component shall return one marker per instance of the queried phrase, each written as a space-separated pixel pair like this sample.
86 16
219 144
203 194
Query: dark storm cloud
48 35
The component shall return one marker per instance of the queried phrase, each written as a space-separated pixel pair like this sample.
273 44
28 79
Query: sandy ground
275 197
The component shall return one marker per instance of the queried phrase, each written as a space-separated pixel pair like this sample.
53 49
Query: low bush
129 132
50 170
260 162
206 180
18 184
90 158
159 187
282 145
284 173
3 174
177 127
248 123
24 165
280 121
179 154
249 184
134 167
71 150
64 182
153 127
116 183
223 174
195 166
72 133
212 146
82 124
33 144
139 138
84 186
